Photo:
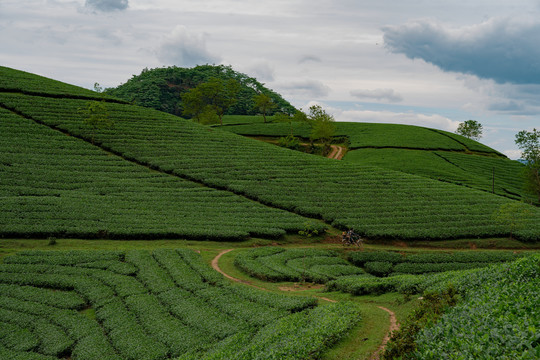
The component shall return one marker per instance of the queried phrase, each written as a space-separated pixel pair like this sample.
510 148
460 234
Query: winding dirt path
393 321
337 152
393 327
215 265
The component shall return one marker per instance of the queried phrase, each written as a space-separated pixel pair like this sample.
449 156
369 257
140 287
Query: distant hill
155 175
161 88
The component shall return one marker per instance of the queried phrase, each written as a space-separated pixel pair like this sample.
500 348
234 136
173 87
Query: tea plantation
151 305
376 202
157 180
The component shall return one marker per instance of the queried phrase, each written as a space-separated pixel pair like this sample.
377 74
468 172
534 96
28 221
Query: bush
378 268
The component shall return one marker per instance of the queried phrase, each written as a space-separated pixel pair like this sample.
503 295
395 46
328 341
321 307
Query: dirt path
393 326
393 321
215 266
337 152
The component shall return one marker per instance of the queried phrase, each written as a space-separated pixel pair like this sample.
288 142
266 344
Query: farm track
337 152
394 325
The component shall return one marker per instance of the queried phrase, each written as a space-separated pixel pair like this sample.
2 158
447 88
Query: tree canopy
162 89
471 129
529 143
210 100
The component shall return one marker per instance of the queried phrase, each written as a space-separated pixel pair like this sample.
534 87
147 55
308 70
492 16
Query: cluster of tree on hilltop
162 89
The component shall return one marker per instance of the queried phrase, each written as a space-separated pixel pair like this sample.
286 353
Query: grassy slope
376 202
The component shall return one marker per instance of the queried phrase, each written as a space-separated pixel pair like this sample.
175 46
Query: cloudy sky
423 62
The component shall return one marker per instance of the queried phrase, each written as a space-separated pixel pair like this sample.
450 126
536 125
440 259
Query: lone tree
96 116
322 126
529 143
471 129
210 100
264 104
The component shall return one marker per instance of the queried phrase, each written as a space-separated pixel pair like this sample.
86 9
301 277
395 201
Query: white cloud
377 94
432 121
304 89
184 48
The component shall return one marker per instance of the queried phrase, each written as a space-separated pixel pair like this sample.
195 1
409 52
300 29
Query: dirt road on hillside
337 152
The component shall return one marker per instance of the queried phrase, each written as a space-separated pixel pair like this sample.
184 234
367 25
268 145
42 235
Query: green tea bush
359 258
379 268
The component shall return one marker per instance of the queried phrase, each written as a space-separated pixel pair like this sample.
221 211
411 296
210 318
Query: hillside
376 202
431 153
161 88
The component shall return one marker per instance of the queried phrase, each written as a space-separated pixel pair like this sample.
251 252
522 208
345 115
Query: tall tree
471 129
215 95
529 143
264 104
322 126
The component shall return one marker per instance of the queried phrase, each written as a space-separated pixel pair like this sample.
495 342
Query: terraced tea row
151 305
55 185
324 266
20 81
504 177
373 201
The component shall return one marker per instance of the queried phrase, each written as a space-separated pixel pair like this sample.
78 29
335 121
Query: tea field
376 202
431 153
151 305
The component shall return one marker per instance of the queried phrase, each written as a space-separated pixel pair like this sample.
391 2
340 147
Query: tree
215 95
529 143
193 102
322 126
264 104
96 116
471 129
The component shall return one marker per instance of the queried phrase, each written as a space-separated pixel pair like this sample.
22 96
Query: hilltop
161 88
199 182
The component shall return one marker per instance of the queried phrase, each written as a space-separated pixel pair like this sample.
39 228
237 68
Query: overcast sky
422 62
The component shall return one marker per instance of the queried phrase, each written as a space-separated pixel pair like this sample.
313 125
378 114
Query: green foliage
497 318
174 305
289 142
359 258
378 268
529 143
264 104
402 344
163 89
96 116
210 100
57 186
376 202
278 264
513 215
471 129
491 174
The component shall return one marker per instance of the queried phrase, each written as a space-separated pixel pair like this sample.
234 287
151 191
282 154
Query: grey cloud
504 50
184 48
306 88
262 71
309 58
107 5
377 94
